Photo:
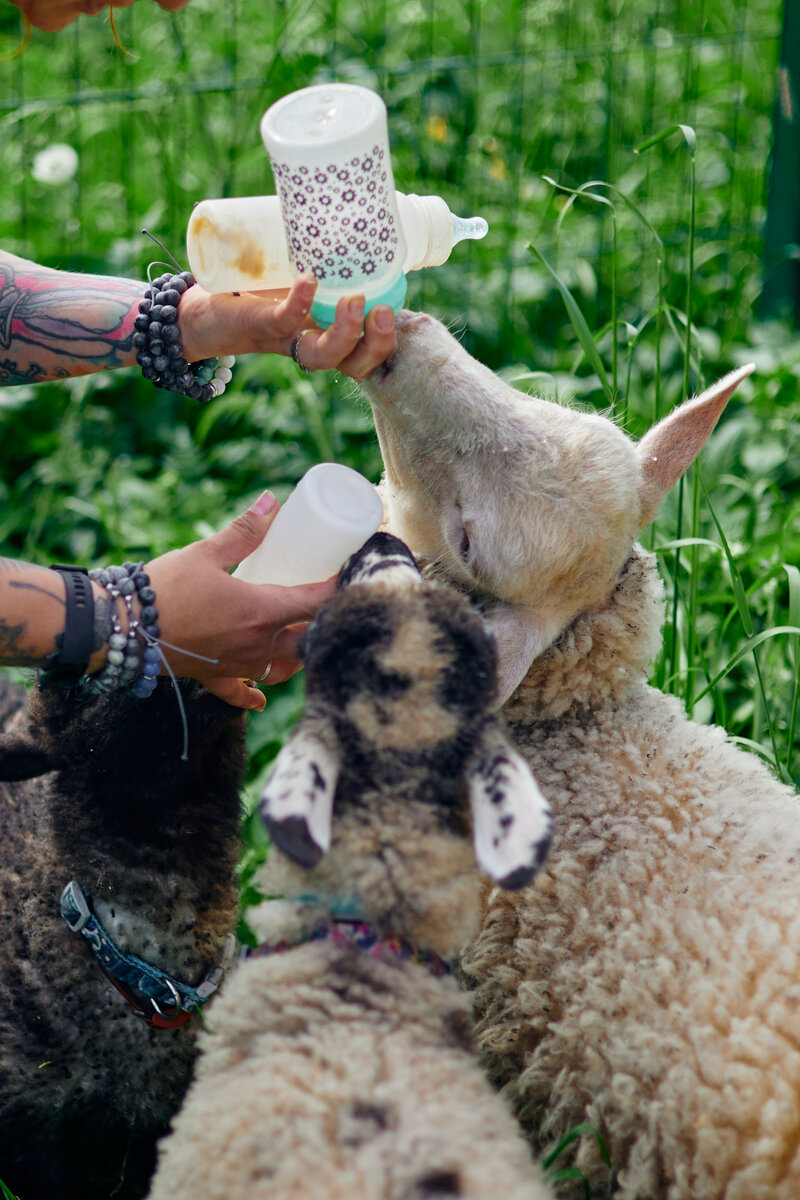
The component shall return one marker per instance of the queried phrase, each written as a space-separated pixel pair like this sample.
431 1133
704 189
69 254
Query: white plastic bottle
331 513
239 244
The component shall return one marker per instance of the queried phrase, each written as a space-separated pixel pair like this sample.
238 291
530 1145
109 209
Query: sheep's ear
297 802
22 758
673 445
520 638
512 826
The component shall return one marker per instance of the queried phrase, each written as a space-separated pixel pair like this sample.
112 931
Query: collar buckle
74 908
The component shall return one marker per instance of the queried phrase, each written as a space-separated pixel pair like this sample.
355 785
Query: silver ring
295 347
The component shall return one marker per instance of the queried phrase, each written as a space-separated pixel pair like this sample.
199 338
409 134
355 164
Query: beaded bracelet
126 664
157 339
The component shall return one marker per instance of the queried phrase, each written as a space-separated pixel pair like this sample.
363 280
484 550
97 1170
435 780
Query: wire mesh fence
488 102
506 109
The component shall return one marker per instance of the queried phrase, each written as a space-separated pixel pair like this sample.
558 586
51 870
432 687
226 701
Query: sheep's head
400 680
528 504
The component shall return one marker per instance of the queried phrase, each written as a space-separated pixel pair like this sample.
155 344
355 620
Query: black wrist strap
75 649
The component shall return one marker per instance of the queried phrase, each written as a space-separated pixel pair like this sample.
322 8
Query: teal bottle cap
324 311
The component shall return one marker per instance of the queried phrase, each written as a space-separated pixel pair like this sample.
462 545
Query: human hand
51 15
247 627
213 324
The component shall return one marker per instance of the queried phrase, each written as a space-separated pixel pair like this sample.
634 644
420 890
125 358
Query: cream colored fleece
334 1076
648 981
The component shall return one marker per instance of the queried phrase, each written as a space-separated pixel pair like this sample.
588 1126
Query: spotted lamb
647 981
340 1062
95 795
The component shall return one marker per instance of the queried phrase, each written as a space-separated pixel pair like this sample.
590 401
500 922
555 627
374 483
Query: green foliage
640 288
556 1174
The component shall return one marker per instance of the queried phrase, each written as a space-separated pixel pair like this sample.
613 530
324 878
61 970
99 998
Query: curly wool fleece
647 981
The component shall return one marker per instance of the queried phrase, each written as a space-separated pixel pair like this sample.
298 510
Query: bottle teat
468 227
430 230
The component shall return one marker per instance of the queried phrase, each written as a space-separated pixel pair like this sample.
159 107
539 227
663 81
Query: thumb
246 532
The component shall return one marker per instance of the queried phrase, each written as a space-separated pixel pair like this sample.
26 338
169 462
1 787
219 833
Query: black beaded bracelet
157 339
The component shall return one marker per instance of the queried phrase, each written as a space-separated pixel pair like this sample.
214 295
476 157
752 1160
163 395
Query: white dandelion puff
55 164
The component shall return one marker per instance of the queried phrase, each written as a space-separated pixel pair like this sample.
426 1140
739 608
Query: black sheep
94 789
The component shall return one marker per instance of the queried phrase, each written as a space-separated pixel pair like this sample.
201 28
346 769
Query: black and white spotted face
400 683
401 665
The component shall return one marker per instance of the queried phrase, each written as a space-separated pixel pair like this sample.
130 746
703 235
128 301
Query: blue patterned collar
162 1001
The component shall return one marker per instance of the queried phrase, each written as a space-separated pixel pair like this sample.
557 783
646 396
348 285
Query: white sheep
647 981
341 1067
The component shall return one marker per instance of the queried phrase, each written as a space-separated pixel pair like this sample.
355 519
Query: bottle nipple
468 227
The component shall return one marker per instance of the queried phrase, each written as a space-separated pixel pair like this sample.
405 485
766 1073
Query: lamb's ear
23 758
673 445
297 802
512 826
520 638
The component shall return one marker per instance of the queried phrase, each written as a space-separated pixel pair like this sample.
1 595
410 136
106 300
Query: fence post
781 295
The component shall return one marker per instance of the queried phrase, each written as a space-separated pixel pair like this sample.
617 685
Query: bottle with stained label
337 214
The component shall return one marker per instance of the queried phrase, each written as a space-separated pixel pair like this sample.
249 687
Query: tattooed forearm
32 613
13 653
34 587
9 566
55 324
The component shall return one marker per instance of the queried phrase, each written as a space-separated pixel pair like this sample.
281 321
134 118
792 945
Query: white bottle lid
329 149
303 125
329 515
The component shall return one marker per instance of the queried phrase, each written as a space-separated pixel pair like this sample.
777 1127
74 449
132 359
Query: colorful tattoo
54 325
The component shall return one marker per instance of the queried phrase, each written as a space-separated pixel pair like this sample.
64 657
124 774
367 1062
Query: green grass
619 153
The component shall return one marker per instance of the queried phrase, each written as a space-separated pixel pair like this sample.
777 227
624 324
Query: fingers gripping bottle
340 216
331 513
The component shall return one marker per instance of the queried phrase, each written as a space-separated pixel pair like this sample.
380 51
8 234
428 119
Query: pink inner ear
673 445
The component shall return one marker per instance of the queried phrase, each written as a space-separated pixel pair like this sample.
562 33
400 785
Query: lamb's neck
602 655
395 869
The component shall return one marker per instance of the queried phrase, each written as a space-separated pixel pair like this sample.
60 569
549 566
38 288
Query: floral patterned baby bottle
329 150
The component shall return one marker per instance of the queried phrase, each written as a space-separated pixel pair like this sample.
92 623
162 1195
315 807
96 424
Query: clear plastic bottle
239 244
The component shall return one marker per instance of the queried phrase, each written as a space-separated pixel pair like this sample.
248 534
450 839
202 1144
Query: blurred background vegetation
626 296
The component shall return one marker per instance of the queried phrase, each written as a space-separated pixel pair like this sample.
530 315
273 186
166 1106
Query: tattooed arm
56 324
32 615
214 628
